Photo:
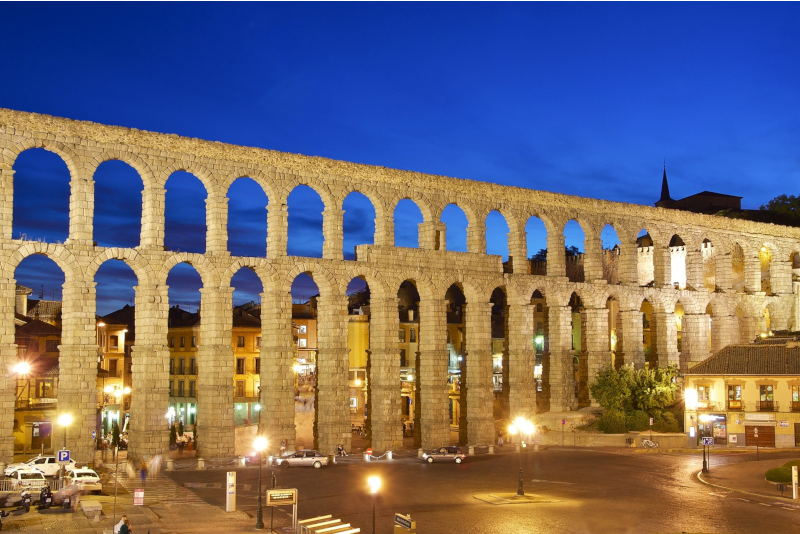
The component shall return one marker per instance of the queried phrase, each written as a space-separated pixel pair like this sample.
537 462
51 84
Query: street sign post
708 441
403 523
230 492
138 497
284 497
63 456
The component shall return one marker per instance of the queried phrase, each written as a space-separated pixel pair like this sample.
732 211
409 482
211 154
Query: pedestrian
143 473
283 447
126 527
499 440
341 450
118 526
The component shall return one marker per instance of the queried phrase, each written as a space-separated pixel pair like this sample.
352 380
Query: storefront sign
138 497
759 416
785 424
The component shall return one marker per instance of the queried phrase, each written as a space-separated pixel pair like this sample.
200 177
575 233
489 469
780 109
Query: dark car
445 454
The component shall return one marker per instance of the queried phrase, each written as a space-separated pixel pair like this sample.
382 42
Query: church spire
664 190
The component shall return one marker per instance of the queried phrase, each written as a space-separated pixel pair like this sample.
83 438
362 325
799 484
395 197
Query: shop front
713 426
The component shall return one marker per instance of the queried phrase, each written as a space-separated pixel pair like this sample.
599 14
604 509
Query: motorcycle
26 500
3 514
46 497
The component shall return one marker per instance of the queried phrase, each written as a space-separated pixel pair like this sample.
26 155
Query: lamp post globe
260 444
374 483
65 420
523 427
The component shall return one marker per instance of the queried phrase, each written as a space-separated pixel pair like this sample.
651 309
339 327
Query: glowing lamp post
65 420
523 427
260 444
374 483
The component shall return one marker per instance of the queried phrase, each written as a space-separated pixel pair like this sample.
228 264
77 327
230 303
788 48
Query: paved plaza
574 490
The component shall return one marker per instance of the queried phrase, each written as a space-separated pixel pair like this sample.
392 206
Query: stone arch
264 270
246 236
451 230
500 243
322 277
58 253
206 177
200 262
263 180
137 163
73 161
137 263
677 255
351 238
372 276
709 256
292 181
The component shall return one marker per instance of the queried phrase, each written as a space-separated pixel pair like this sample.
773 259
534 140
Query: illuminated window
192 388
302 343
194 341
412 336
702 393
240 341
183 341
766 393
180 388
240 366
172 342
795 393
301 329
114 342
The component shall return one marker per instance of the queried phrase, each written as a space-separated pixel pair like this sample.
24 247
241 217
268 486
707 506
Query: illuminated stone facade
735 303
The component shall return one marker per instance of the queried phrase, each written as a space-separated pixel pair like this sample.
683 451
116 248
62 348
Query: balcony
735 405
767 406
796 406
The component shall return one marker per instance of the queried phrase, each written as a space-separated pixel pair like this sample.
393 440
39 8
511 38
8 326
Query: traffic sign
63 457
708 441
138 497
94 434
405 522
563 422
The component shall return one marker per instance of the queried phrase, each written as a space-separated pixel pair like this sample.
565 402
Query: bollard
471 450
420 452
366 457
535 446
388 455
491 449
243 461
201 463
170 465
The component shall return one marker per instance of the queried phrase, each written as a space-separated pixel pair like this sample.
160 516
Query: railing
36 402
10 486
710 406
767 406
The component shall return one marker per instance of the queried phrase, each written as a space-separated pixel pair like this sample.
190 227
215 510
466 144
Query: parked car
445 454
27 479
302 458
85 479
46 464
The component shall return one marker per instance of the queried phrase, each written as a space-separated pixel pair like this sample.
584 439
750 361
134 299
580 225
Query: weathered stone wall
84 146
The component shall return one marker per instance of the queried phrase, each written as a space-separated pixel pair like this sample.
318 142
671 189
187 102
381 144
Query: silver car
445 454
303 458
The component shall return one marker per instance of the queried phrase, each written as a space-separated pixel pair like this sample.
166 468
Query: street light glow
22 368
690 398
65 419
260 443
374 483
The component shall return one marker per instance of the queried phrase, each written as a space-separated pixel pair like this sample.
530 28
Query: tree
785 205
648 390
180 428
173 434
542 254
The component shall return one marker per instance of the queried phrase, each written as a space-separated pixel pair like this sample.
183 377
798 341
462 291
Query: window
171 388
192 366
183 341
402 357
112 366
44 389
51 345
258 341
194 341
301 329
301 343
240 367
735 396
702 394
181 366
766 393
172 342
240 388
114 342
412 335
180 388
401 335
191 388
240 341
172 366
257 369
795 393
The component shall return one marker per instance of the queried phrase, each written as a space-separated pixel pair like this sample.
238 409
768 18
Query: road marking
718 494
745 500
550 481
764 504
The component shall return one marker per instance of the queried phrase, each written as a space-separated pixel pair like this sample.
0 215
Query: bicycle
647 444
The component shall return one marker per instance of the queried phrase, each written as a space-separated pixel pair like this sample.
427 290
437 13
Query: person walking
126 527
283 447
143 473
499 440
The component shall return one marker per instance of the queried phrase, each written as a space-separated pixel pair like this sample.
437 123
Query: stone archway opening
117 205
407 218
611 254
677 259
765 261
648 334
456 333
644 259
358 223
536 242
41 197
185 225
408 339
305 221
541 348
456 224
247 218
574 243
497 234
500 357
305 348
709 265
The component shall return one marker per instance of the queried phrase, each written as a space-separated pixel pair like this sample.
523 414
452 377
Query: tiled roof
762 359
38 328
44 308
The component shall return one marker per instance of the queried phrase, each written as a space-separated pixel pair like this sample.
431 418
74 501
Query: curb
707 483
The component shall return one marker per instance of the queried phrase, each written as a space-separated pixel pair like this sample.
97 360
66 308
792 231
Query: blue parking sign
63 457
708 441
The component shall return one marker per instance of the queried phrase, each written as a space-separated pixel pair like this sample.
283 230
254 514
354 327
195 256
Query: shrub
173 434
779 474
637 420
612 422
666 423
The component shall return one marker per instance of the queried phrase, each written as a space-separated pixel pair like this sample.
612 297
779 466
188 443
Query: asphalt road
589 491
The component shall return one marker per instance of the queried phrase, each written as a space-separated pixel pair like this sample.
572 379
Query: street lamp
259 444
374 483
523 427
65 420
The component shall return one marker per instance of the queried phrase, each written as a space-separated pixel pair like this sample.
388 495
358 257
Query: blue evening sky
579 98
